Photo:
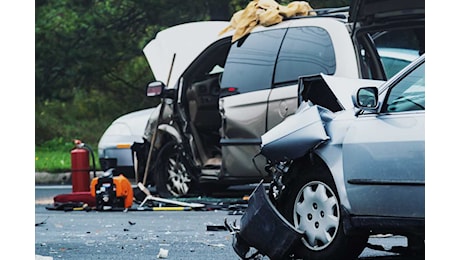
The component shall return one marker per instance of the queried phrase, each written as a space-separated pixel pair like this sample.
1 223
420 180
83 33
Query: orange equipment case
121 187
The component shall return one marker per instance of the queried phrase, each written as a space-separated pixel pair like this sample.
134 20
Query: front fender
333 158
154 117
148 131
331 153
171 131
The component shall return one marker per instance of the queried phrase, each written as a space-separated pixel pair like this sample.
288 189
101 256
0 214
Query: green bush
54 156
85 118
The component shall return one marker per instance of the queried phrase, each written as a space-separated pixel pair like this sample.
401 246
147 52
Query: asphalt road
132 235
80 234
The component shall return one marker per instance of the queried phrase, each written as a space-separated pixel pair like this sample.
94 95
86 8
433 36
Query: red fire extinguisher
80 167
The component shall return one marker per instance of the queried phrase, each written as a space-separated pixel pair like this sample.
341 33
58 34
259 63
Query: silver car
345 166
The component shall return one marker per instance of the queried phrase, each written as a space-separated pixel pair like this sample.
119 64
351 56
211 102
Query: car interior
200 96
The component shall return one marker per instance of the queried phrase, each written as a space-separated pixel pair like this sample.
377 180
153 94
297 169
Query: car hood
332 92
322 96
179 46
125 129
136 120
374 11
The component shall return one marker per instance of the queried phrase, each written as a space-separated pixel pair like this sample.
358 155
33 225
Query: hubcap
316 212
178 178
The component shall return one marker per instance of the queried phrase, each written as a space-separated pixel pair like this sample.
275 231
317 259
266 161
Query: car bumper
265 229
123 156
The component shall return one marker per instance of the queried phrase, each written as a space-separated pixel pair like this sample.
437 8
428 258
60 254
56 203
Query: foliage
52 161
54 156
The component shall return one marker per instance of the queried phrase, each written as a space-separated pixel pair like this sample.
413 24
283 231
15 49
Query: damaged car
219 97
348 164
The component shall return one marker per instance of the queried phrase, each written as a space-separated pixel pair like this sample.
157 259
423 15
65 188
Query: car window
209 63
251 61
409 93
305 51
396 59
379 49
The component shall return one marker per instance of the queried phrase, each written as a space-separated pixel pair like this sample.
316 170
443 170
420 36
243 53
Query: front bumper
265 229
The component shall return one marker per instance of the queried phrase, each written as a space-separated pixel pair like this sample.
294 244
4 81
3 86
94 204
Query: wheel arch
329 161
323 170
163 136
165 130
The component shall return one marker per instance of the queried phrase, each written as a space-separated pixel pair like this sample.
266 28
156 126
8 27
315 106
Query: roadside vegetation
54 156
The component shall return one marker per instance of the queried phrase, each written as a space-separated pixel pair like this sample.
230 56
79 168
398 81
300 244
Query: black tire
310 202
416 245
172 176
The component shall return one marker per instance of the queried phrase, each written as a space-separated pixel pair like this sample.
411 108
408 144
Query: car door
384 153
246 85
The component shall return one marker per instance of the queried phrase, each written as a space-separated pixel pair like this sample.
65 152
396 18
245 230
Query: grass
54 157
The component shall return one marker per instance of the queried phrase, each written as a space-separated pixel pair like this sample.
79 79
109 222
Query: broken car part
264 228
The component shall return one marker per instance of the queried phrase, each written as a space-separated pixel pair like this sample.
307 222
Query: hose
90 150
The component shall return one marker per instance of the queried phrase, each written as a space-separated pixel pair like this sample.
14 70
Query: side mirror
367 98
155 89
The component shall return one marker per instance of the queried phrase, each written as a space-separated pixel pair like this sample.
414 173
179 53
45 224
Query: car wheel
172 177
311 204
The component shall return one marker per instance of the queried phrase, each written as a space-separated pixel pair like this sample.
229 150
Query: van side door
246 84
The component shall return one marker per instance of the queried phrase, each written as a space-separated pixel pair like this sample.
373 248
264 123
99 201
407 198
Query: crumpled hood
305 129
186 42
333 92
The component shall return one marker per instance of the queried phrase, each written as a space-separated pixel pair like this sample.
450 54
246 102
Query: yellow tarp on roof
265 13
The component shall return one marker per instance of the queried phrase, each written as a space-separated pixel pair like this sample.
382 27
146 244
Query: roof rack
337 12
334 10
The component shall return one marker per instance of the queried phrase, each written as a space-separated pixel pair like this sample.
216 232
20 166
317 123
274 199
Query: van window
384 53
305 51
251 61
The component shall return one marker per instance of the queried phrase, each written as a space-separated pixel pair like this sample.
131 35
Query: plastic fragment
163 253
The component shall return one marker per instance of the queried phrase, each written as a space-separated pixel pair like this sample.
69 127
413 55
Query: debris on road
234 205
216 228
163 253
41 223
158 199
